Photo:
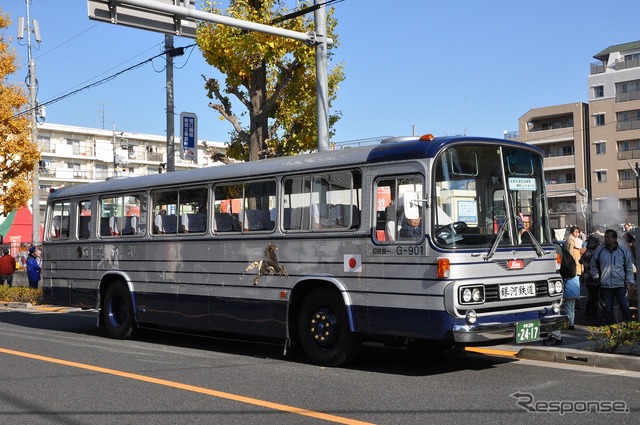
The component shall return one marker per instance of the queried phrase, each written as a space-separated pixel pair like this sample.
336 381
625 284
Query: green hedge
20 294
623 336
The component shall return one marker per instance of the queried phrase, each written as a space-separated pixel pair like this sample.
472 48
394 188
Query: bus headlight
558 287
471 317
554 287
471 295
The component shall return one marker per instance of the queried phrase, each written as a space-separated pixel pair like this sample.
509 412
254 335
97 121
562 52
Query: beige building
77 155
592 150
614 125
561 133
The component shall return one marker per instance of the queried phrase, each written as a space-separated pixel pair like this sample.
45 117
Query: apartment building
561 132
592 150
614 125
77 155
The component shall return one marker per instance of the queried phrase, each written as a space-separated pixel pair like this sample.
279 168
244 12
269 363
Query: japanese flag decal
352 263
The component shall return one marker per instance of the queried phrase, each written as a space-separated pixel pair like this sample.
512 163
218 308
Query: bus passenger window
60 221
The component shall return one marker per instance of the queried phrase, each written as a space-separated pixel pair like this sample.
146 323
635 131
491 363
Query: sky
412 66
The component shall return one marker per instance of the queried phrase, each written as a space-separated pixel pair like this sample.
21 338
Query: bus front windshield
484 195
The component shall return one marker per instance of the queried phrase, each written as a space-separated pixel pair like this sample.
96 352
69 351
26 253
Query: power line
97 83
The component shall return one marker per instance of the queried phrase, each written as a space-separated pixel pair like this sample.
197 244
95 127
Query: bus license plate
527 331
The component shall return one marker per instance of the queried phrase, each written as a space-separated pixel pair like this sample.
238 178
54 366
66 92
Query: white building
76 155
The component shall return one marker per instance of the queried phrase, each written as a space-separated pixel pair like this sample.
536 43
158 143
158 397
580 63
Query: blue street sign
189 136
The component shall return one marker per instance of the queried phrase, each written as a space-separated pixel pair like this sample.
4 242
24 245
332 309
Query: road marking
192 388
491 351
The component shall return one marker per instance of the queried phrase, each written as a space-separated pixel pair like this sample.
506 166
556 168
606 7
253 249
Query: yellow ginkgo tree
271 79
18 156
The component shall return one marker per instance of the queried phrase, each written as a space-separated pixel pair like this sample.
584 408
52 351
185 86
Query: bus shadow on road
374 357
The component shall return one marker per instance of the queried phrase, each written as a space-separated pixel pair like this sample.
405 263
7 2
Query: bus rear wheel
117 311
323 329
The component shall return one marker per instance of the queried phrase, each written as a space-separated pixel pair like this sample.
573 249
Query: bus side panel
55 273
249 316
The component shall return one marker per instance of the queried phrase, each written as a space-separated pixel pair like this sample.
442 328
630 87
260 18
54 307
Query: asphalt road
58 368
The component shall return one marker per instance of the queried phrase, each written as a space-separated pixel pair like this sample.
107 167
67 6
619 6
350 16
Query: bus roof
405 149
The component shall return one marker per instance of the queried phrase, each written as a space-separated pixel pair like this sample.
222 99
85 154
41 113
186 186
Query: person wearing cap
33 268
7 267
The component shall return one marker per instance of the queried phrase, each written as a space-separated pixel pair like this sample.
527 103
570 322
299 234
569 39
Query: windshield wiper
532 238
495 244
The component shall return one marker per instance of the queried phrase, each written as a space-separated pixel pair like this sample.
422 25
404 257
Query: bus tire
323 329
117 311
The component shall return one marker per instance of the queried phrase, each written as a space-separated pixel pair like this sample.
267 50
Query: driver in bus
411 229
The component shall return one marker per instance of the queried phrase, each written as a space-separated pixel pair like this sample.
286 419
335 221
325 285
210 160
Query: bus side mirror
410 205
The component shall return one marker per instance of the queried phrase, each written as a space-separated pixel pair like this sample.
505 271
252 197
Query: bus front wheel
323 329
117 311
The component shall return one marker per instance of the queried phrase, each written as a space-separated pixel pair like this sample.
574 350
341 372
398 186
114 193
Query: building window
598 120
601 176
601 148
567 150
628 204
570 178
626 175
598 91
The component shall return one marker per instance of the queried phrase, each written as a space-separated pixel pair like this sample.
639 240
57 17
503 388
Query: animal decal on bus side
269 265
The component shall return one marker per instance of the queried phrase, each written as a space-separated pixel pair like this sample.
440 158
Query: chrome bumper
487 332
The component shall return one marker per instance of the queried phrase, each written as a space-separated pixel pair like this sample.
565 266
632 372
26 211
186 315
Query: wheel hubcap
324 327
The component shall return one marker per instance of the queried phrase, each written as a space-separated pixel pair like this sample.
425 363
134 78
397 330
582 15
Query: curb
581 357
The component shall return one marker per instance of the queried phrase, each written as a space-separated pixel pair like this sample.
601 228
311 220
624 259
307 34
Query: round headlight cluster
471 295
555 287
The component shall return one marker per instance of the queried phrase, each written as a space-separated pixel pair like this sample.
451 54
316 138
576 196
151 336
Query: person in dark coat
33 268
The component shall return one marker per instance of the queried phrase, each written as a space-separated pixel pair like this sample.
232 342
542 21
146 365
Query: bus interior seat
84 229
254 220
130 226
105 230
194 223
169 223
224 222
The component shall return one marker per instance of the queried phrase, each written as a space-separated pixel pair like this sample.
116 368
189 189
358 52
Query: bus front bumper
488 332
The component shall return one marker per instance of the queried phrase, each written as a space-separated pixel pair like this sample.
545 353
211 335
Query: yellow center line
192 388
492 351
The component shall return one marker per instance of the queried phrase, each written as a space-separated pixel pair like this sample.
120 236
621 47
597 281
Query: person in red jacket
7 267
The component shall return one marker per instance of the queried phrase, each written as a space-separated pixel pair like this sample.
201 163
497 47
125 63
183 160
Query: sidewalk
576 348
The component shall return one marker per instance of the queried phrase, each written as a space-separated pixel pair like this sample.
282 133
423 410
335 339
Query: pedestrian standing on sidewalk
593 286
7 267
574 247
33 268
568 271
611 265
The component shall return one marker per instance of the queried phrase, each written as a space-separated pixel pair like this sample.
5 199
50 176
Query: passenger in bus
157 222
113 226
411 229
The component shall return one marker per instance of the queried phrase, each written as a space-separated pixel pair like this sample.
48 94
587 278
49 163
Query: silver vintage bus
423 241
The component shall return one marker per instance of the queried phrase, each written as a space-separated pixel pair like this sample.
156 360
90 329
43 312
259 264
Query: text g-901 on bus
423 241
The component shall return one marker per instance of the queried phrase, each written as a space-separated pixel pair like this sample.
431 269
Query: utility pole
322 84
33 116
171 154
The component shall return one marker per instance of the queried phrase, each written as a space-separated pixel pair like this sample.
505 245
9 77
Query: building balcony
598 68
626 64
561 189
627 184
627 97
628 125
559 162
630 154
